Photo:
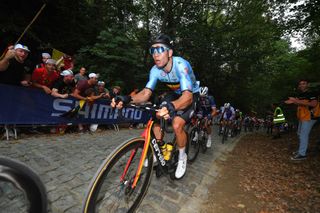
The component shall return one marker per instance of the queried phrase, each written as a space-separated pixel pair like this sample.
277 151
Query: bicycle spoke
112 191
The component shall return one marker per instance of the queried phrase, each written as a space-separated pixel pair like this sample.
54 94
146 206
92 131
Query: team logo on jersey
186 70
163 74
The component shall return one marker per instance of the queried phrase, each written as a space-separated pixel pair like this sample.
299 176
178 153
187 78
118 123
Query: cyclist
208 110
238 120
227 116
176 73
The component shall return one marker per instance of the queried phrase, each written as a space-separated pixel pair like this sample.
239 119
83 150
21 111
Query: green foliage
114 56
236 47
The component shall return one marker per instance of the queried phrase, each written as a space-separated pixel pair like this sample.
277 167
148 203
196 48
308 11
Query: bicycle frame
155 150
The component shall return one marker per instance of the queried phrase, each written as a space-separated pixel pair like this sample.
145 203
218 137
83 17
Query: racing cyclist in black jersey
176 73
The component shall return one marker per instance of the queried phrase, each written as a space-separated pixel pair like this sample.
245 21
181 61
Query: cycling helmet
203 91
226 105
163 39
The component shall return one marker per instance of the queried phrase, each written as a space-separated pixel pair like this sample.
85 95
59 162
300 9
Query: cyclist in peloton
208 110
228 116
178 105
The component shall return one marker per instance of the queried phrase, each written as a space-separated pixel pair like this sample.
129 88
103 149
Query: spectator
116 90
133 93
81 75
13 66
68 62
305 101
101 89
45 57
63 86
85 91
278 120
45 77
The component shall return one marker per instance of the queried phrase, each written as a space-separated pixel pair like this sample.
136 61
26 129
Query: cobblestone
66 164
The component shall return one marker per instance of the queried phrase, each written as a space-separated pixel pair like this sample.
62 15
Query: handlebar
146 107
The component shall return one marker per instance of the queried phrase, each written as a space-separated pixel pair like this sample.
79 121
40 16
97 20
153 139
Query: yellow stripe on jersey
174 86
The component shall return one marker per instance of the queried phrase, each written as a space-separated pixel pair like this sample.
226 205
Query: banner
22 105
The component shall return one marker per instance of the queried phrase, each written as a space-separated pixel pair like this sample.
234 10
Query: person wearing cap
45 57
177 74
63 86
83 85
45 77
83 90
101 89
13 67
81 75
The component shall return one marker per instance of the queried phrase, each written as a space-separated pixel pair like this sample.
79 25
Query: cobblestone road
66 164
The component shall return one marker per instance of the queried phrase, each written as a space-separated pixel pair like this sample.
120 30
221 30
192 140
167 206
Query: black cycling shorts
186 113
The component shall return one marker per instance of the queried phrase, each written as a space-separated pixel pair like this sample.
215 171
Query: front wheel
225 134
111 188
21 187
193 145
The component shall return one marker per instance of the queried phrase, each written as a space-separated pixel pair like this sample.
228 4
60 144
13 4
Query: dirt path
258 176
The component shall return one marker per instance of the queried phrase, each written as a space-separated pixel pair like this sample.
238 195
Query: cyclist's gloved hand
126 99
170 107
120 101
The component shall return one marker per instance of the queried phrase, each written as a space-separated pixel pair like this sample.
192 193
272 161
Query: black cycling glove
126 99
170 107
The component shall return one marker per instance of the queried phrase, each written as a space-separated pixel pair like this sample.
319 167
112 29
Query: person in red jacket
45 77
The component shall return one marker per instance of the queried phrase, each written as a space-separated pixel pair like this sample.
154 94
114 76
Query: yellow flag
56 54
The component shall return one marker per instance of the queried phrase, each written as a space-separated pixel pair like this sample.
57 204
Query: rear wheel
204 141
111 188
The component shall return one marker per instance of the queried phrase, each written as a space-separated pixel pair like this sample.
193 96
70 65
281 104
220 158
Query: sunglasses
158 50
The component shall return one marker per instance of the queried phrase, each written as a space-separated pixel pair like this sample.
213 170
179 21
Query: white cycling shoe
209 142
182 167
195 138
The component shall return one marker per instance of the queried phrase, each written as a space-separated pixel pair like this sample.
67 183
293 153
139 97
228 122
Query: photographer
13 67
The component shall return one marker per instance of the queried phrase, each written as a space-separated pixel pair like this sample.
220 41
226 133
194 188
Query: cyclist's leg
181 138
208 127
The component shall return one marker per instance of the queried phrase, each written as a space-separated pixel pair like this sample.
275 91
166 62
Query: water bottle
166 149
169 151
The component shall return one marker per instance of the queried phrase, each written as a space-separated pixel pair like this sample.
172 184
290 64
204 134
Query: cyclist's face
161 59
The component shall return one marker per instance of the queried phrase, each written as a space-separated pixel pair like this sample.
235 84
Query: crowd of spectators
54 79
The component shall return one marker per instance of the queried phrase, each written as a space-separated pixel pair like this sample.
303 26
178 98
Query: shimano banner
21 105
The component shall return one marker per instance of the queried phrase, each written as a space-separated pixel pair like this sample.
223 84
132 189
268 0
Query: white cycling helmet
226 105
203 91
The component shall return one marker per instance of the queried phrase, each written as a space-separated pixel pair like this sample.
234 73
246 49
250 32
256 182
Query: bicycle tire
25 179
192 148
225 134
204 142
95 200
